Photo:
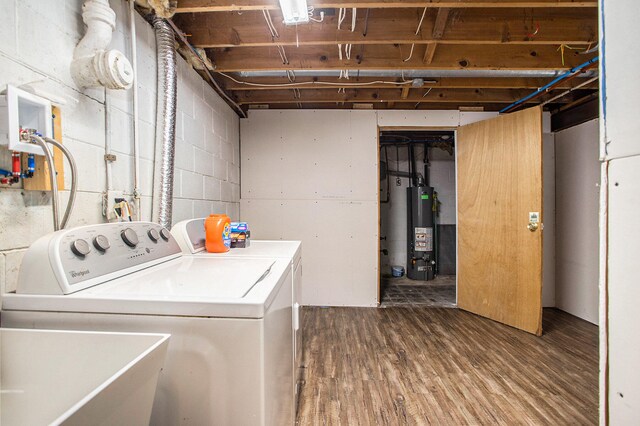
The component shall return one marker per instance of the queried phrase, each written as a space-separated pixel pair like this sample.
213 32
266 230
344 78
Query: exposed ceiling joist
382 95
382 57
240 5
228 29
444 54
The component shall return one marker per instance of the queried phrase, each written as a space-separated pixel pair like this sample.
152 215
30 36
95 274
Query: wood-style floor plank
435 366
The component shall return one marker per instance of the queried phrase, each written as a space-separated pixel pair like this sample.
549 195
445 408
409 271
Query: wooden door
499 207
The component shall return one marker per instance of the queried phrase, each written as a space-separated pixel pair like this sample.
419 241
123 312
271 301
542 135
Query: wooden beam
185 6
437 33
383 95
391 57
395 26
440 23
429 52
382 105
405 92
307 83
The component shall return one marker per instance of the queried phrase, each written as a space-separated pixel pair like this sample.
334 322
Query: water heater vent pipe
93 65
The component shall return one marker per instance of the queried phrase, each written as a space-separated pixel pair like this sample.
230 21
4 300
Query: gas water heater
420 233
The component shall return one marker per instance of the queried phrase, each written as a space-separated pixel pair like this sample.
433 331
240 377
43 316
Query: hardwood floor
421 366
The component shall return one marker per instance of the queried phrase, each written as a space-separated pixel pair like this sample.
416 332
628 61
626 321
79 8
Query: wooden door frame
455 154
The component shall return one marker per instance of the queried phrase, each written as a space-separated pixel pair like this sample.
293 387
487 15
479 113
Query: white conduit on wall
165 123
136 133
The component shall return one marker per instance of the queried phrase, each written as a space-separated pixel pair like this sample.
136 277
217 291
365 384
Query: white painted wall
38 39
620 153
577 198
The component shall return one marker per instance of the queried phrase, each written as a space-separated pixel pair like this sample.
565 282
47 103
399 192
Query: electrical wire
590 50
413 45
354 12
410 53
342 13
424 96
272 28
566 46
311 83
533 34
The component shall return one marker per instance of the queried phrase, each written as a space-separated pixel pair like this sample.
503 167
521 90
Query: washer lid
187 286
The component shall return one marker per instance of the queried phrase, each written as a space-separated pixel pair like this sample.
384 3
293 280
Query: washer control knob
101 243
164 233
130 237
80 247
153 235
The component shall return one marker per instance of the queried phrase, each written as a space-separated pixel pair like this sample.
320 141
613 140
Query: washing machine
229 361
190 236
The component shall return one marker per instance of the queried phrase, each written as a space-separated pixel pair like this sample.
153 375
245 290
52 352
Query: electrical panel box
21 109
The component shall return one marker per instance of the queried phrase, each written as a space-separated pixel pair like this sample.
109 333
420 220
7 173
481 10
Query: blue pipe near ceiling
554 81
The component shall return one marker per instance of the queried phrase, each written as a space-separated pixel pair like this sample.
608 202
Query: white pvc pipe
136 139
92 64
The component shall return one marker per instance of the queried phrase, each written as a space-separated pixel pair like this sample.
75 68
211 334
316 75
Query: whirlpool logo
76 274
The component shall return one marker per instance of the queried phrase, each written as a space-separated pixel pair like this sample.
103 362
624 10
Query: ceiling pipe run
93 65
544 89
165 123
414 73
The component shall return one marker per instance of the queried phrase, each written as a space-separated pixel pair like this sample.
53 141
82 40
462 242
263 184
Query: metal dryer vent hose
165 123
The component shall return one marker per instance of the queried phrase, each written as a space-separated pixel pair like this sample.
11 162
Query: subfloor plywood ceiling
382 54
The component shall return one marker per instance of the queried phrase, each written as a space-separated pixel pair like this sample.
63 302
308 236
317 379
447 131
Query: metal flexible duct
165 123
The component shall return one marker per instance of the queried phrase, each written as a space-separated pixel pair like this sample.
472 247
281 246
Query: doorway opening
417 218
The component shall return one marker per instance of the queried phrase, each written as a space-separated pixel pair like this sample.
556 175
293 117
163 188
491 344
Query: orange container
217 230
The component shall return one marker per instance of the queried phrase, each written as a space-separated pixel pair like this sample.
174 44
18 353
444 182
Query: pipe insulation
165 123
93 65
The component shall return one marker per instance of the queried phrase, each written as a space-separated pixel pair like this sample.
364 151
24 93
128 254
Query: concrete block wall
38 41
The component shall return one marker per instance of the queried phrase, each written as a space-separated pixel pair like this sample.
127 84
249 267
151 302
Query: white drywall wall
620 151
313 176
549 221
624 292
577 198
38 39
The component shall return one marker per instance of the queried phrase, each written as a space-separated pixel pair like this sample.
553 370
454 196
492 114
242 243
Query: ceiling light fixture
295 11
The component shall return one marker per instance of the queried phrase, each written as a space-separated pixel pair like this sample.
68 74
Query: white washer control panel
89 255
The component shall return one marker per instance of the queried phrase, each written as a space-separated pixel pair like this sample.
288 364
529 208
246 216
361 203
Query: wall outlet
108 204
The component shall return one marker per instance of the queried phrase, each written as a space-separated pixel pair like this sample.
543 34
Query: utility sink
78 378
